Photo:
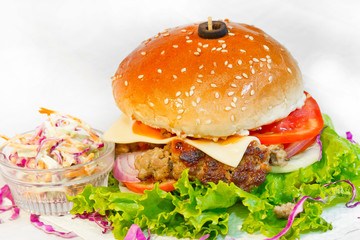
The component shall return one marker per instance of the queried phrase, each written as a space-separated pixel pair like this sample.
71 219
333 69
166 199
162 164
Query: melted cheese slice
229 151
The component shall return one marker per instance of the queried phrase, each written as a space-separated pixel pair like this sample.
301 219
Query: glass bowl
43 191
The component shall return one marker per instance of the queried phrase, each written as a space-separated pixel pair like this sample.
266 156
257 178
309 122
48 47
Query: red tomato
301 124
140 187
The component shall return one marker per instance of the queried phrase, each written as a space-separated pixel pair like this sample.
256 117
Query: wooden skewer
210 24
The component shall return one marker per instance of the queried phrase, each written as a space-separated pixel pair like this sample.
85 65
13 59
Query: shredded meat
278 156
284 210
168 162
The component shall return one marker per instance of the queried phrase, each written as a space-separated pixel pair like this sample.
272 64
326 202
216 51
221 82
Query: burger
228 108
218 137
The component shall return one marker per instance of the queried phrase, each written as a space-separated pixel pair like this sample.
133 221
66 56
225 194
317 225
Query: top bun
209 88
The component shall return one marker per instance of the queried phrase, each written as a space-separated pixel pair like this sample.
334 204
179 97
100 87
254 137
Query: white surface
61 55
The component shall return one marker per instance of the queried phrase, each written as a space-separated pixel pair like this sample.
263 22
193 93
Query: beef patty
163 162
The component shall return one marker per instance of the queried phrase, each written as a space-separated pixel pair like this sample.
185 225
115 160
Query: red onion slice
124 168
293 148
135 233
34 219
353 193
299 208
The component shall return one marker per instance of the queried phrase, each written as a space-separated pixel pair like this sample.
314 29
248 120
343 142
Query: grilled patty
163 162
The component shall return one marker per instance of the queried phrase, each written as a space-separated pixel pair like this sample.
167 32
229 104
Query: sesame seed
189 41
213 49
143 53
221 41
230 93
191 92
245 75
217 95
218 49
256 60
233 85
251 62
193 103
192 88
289 70
232 118
183 30
166 101
253 71
226 62
166 34
198 49
140 76
177 105
270 79
231 34
230 66
235 99
151 104
246 36
201 66
174 76
213 85
198 99
198 80
200 44
175 46
178 117
178 94
228 108
212 72
242 50
252 92
266 47
214 63
251 37
208 121
187 37
243 108
233 104
268 65
224 50
263 59
159 71
205 45
200 75
162 53
269 60
126 83
180 111
196 53
238 77
186 94
198 121
267 56
223 46
183 70
239 62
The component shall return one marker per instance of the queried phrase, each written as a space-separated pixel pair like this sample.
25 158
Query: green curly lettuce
194 209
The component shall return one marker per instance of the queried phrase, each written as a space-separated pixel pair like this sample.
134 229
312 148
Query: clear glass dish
43 191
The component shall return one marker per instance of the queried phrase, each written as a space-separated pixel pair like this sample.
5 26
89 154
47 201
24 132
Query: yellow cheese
229 152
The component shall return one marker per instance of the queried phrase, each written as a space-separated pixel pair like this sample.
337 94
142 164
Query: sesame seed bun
209 88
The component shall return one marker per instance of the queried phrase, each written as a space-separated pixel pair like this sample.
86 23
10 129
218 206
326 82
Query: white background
61 55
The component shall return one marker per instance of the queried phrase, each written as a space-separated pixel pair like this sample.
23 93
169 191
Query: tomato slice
301 124
140 187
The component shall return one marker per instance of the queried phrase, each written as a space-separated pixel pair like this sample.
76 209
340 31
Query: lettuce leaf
194 209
